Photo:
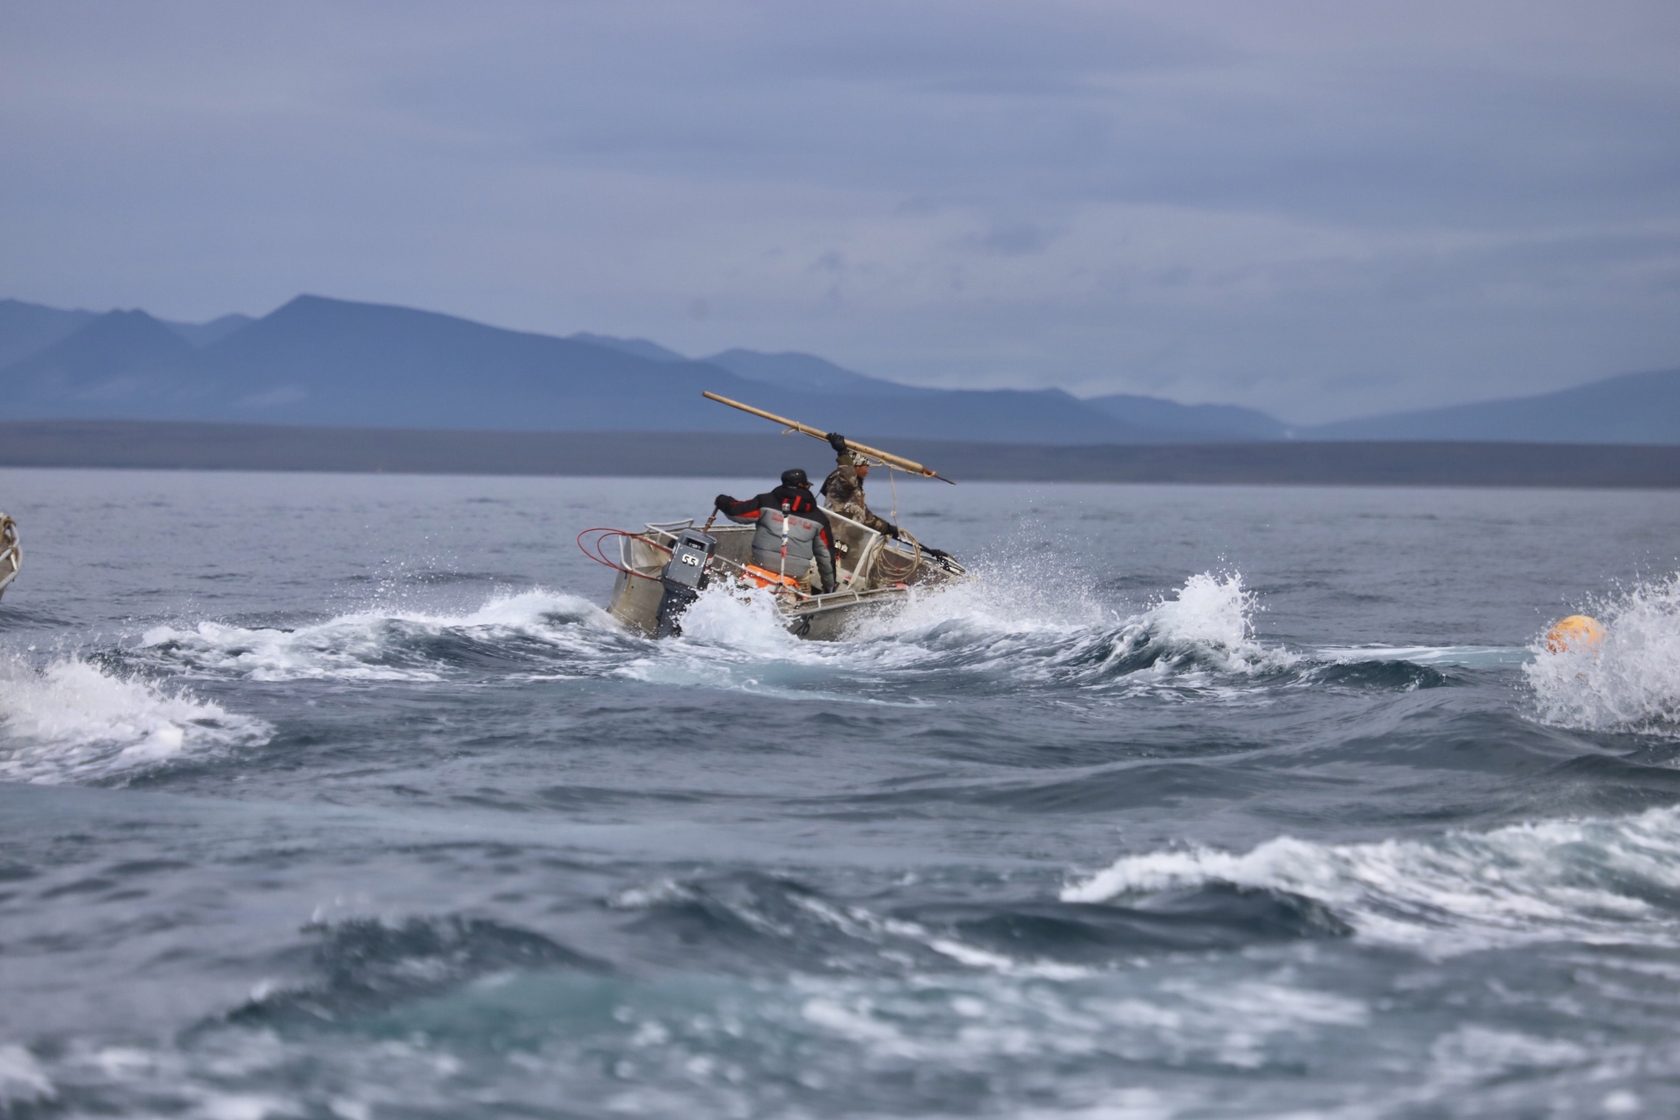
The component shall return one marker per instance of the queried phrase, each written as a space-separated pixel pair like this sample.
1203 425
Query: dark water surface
340 796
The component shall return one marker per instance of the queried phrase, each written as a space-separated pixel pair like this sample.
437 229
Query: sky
1319 209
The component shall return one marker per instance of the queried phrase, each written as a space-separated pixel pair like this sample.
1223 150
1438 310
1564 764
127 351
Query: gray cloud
1315 211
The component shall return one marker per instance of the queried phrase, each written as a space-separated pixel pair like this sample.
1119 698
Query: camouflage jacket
842 491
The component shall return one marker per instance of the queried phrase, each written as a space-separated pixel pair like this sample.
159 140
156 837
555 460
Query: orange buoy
1577 632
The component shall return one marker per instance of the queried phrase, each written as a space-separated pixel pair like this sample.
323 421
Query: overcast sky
1318 209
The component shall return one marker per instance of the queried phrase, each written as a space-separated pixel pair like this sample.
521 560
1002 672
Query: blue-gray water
339 796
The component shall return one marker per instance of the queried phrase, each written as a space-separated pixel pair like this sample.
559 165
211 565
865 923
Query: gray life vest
798 533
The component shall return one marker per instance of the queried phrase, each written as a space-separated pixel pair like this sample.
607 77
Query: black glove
722 500
838 442
891 530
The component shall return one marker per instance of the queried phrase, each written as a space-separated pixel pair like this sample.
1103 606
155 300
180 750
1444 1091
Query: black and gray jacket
787 518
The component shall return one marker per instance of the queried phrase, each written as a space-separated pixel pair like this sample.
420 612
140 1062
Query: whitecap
1588 880
74 720
374 644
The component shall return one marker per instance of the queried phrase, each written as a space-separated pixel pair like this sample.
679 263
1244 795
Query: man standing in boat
843 488
792 531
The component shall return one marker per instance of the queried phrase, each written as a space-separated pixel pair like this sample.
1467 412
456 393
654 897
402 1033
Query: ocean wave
1397 675
753 922
1591 880
388 645
365 966
1037 636
76 721
1630 682
1199 641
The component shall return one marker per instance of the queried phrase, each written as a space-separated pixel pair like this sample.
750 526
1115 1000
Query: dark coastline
204 446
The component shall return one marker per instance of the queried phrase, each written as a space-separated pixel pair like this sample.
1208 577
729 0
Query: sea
341 797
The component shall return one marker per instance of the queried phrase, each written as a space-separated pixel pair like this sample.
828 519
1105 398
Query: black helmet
795 477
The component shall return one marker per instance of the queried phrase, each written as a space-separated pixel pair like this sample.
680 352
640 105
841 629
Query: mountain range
327 362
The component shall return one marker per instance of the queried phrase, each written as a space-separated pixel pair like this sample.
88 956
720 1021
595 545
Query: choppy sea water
340 796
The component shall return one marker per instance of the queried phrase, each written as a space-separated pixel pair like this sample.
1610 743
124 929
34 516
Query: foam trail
1631 682
1465 657
75 721
374 644
1591 880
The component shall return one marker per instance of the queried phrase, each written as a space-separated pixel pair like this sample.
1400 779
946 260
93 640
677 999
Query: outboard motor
683 577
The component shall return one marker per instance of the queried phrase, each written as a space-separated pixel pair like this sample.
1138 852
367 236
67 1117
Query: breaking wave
387 645
751 922
1631 681
1209 620
1002 629
366 966
74 720
1593 880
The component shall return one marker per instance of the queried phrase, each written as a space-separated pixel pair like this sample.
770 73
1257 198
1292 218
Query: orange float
1574 633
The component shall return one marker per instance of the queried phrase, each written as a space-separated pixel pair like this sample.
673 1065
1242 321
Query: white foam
1208 610
996 599
1584 879
22 1080
1214 614
73 720
1059 635
743 621
356 646
1468 657
1631 681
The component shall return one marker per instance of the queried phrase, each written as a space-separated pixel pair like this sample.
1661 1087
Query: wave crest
1595 879
384 645
74 720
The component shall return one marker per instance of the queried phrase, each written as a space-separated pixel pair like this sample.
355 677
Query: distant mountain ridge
1630 408
1225 421
28 328
322 361
807 373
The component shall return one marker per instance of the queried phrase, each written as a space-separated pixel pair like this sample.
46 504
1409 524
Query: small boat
663 568
11 556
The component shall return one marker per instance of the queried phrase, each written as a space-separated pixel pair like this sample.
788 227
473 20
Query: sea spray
1629 682
1215 610
74 720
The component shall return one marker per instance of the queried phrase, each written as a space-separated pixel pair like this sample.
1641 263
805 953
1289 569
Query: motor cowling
684 576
